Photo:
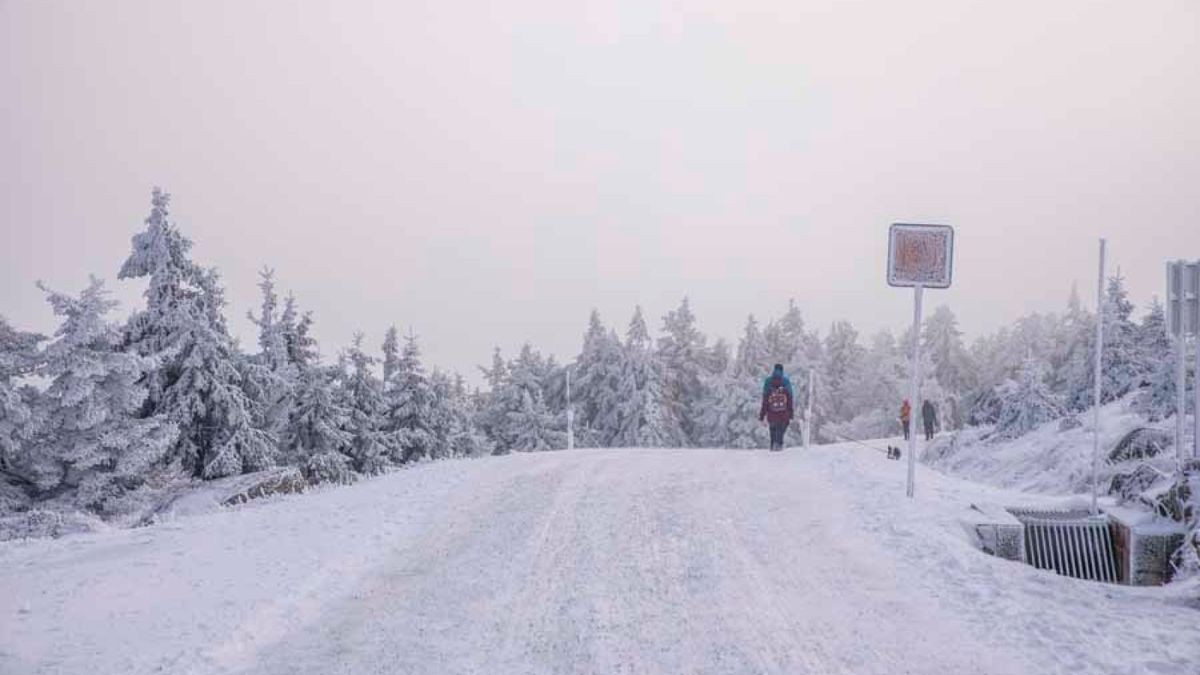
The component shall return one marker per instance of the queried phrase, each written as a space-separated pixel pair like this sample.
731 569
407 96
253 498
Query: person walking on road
905 417
777 405
929 416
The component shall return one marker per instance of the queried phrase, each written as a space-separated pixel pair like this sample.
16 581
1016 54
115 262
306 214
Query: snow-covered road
613 561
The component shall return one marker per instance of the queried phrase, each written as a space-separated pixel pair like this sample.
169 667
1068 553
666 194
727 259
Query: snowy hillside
605 561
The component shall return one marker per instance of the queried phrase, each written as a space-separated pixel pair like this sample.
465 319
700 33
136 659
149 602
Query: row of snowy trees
103 408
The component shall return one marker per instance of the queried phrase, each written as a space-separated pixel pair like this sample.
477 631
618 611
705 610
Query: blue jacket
787 384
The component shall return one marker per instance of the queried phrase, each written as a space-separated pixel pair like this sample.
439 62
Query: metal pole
1180 368
570 415
914 387
1096 385
1196 396
808 409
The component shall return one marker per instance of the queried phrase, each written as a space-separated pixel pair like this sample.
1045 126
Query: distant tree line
103 409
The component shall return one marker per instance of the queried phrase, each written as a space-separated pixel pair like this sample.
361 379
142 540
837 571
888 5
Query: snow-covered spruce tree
951 362
1028 405
270 376
594 380
874 391
641 416
317 439
682 353
92 444
19 356
490 415
752 357
1122 361
843 358
302 351
410 402
198 385
363 396
1156 400
521 421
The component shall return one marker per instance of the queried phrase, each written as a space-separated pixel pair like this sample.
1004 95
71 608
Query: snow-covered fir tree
92 443
364 397
641 416
410 407
518 419
683 356
198 385
317 438
1028 405
19 356
952 367
594 380
843 359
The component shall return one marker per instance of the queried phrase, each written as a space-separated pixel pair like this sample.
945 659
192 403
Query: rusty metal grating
1071 543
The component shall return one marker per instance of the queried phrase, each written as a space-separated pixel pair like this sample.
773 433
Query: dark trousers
905 424
929 431
777 431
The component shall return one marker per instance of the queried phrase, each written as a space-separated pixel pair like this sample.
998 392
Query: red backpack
777 399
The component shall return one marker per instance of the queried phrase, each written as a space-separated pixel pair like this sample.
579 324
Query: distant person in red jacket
905 416
777 405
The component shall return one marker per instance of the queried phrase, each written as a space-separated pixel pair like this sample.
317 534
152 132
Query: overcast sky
485 173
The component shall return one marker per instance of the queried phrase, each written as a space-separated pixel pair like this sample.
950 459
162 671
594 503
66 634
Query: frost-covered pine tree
1028 405
19 356
1123 364
410 402
92 444
269 376
517 412
1157 399
874 391
642 420
296 328
594 380
683 355
752 357
843 357
951 363
317 439
198 384
391 353
364 397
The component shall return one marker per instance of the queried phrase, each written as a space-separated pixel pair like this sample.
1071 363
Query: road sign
920 255
1183 298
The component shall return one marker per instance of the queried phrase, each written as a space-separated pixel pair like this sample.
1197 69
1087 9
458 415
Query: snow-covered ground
605 561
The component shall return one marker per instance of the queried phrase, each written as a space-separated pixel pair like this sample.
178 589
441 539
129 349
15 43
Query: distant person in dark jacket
929 416
777 405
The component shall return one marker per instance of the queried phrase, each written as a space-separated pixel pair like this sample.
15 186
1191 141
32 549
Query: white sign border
918 226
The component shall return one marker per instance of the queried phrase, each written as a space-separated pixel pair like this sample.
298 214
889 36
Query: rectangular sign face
920 255
1183 298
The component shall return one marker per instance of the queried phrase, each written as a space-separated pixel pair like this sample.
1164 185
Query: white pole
1196 396
808 410
915 387
1096 375
570 415
1180 368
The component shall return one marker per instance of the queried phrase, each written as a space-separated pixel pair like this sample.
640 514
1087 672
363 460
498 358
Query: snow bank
1049 460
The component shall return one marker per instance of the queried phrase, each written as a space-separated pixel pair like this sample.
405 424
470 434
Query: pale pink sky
486 173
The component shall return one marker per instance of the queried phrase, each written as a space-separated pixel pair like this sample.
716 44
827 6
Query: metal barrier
1072 543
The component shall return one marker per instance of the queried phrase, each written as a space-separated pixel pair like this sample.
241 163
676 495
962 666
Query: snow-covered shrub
1027 406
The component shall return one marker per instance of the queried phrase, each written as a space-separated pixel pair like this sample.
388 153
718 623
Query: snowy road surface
612 561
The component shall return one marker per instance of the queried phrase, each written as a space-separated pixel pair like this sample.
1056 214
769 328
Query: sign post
920 257
570 415
1096 381
808 410
1183 320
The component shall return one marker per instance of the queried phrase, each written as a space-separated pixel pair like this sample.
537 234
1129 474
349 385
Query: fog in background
486 173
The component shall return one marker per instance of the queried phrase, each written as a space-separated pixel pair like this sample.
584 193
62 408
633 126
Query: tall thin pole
808 411
1181 362
1096 384
570 415
915 386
